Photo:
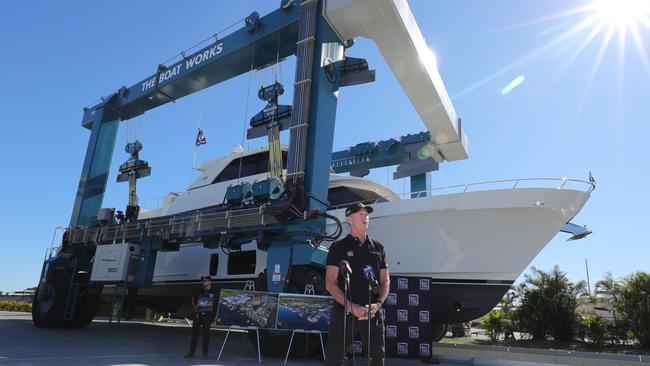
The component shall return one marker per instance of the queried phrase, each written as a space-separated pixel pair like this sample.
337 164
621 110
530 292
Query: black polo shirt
370 252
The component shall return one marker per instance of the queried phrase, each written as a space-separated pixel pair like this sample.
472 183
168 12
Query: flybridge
172 72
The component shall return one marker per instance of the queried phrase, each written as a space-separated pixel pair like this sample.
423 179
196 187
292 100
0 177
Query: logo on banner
402 349
391 331
425 349
414 300
402 315
391 299
424 316
414 332
424 284
402 283
357 347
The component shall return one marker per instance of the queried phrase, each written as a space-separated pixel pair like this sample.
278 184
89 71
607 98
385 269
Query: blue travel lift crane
285 216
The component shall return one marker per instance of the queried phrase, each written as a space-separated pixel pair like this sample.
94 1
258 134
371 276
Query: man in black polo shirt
204 302
360 251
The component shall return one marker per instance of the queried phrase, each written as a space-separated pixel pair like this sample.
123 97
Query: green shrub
608 291
633 301
10 305
548 305
509 318
618 331
594 329
493 324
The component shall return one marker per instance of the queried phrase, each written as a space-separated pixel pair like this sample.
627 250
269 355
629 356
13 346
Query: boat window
250 165
343 195
214 264
242 262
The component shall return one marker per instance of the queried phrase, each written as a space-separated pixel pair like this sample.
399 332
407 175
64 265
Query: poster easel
247 329
320 334
250 286
309 290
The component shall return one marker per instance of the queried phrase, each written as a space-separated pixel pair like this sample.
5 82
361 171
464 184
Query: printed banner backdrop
407 319
408 327
306 312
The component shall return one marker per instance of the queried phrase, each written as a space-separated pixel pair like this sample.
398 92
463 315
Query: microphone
344 268
369 275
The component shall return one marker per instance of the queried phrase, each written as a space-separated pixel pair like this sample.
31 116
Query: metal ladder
119 294
72 297
249 286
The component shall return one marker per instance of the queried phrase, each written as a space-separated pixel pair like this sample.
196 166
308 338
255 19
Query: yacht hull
471 246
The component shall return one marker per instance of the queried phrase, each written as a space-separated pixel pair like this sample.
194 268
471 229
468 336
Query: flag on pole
200 138
591 179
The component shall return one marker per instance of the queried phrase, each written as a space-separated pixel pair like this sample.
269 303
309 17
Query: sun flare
622 13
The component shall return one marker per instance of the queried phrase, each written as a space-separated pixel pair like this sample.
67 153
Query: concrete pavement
130 343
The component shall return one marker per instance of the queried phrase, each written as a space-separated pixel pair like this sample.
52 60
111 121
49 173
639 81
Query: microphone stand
369 305
344 356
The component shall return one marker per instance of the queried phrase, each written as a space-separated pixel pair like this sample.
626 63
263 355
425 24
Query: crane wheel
86 309
49 300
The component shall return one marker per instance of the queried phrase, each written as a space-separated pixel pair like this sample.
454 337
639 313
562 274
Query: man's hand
361 312
374 308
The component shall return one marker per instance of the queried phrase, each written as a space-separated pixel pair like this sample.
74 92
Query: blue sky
573 113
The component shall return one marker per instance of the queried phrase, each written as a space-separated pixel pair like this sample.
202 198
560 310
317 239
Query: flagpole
193 161
196 148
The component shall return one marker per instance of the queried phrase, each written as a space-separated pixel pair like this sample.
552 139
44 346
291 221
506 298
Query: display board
247 309
241 308
305 312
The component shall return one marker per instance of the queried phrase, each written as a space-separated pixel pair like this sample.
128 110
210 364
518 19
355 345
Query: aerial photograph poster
247 309
306 312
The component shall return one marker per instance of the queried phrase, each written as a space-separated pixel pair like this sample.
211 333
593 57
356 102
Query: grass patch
9 305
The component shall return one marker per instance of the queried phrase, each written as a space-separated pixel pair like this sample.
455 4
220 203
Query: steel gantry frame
289 228
321 68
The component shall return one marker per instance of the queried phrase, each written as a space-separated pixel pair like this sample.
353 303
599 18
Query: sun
622 13
596 21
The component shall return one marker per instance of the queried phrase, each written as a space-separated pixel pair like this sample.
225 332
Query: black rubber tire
86 309
438 331
47 308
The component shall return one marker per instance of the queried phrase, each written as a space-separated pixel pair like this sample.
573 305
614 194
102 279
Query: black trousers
201 321
335 348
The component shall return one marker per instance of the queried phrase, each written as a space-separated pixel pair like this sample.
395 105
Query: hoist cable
248 95
275 149
212 36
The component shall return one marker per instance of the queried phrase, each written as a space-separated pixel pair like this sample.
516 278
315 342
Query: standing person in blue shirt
360 251
204 302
